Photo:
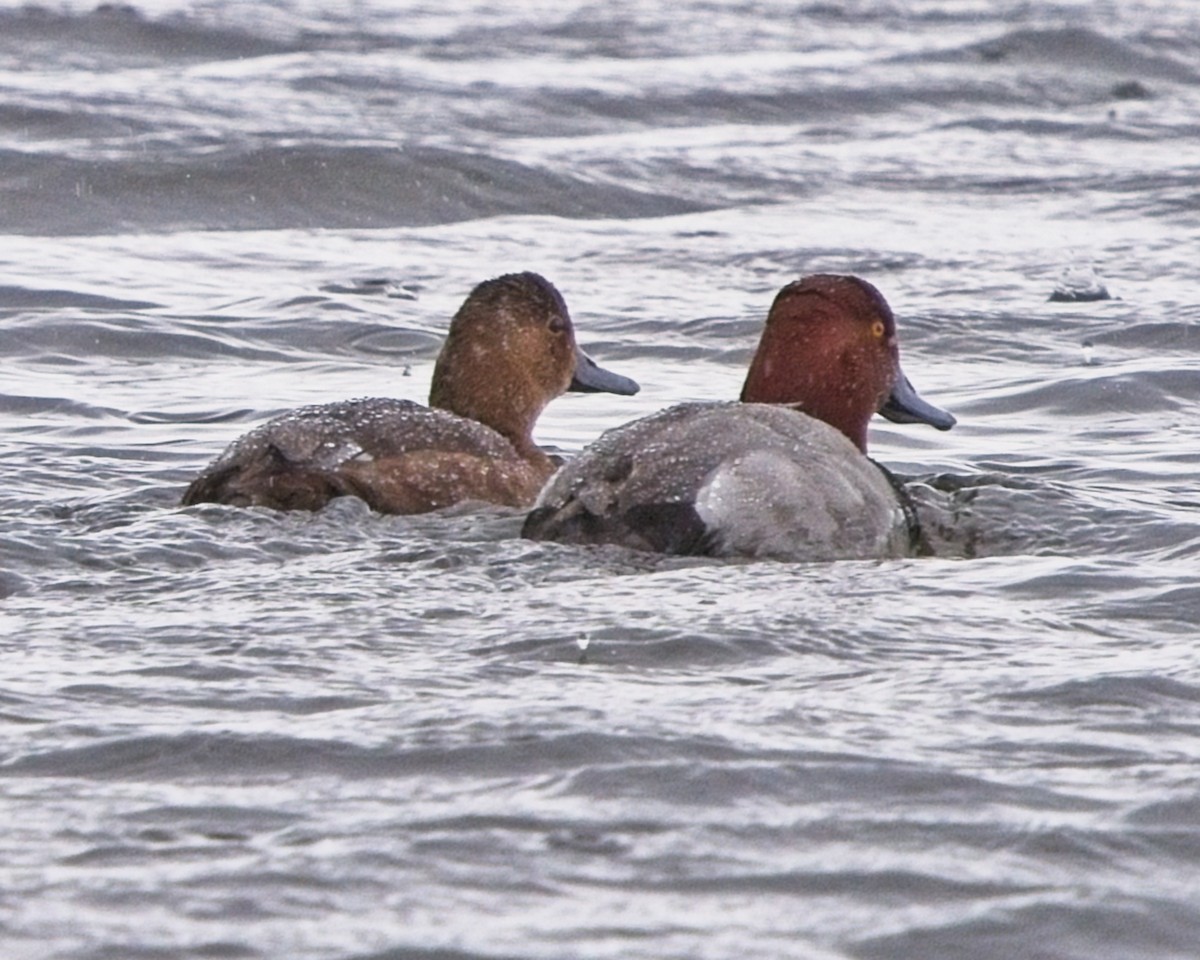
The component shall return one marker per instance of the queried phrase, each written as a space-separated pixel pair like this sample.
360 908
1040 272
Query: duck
509 351
781 473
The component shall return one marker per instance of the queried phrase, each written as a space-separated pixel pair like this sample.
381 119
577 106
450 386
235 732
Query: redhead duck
783 473
510 350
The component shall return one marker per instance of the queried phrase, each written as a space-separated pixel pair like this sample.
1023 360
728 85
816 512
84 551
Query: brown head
829 348
510 351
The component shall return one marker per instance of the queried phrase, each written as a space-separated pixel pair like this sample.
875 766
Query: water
237 734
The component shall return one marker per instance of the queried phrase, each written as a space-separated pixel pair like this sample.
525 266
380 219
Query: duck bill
904 405
590 377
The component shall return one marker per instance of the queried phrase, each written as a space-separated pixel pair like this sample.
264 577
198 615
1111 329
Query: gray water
238 734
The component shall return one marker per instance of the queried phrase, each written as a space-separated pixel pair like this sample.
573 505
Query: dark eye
558 324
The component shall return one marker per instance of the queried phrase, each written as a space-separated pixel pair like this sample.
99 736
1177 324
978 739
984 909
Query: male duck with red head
510 350
783 473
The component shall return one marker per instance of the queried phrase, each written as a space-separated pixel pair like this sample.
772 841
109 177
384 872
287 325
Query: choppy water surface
240 734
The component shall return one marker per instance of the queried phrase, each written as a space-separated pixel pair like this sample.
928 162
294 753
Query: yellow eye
877 329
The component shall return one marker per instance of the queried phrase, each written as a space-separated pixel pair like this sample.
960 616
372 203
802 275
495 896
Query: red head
829 349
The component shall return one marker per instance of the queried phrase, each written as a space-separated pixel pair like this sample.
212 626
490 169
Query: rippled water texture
233 733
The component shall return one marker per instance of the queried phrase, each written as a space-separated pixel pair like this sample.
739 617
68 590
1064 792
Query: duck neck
508 407
815 376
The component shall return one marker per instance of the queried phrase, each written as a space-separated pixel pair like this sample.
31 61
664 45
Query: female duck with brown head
510 350
783 473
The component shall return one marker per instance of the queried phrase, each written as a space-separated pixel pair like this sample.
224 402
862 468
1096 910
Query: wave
307 186
19 298
1120 927
154 757
1072 49
114 30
